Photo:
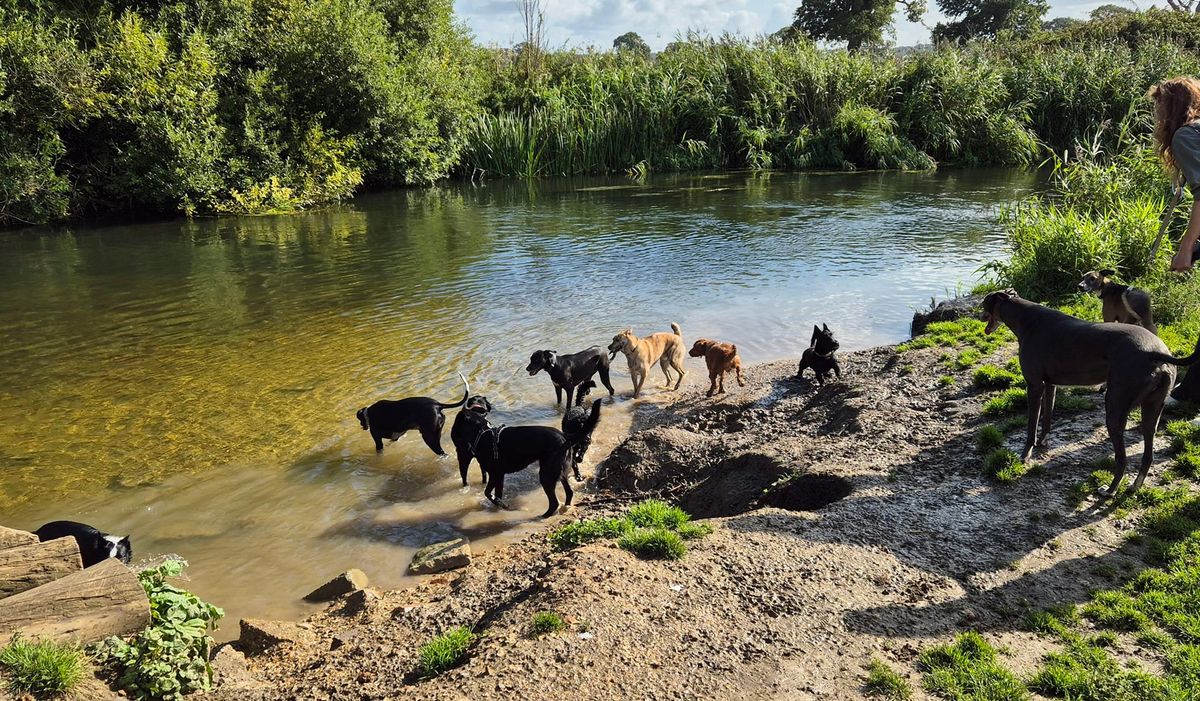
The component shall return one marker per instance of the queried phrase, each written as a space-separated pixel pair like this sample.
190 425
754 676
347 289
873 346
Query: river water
194 383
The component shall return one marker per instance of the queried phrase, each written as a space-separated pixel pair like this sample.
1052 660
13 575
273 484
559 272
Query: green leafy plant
169 659
43 668
445 651
547 622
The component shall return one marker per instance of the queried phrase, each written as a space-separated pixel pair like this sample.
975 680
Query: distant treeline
138 108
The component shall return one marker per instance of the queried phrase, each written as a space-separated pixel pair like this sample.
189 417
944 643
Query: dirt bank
886 538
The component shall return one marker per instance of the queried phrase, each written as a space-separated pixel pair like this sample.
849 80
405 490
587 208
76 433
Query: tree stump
27 566
87 606
11 538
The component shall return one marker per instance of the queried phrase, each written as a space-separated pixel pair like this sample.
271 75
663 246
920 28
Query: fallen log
11 538
27 566
89 605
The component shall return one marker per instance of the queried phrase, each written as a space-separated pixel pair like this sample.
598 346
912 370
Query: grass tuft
967 670
1010 401
545 622
989 377
883 682
1003 465
654 544
43 668
988 438
572 535
445 651
653 513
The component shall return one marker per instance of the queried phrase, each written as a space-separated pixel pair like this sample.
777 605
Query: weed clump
445 651
1003 465
43 668
988 377
545 622
1010 401
967 669
579 533
883 682
988 438
651 529
654 544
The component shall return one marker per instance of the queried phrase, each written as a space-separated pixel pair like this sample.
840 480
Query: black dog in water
575 423
570 371
501 450
94 546
461 434
819 355
388 418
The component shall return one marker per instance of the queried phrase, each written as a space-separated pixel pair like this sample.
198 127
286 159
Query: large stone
345 583
258 636
948 310
440 557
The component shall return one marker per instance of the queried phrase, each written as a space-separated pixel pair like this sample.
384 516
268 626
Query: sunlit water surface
194 383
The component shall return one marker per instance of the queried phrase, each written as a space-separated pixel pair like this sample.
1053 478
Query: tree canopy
976 19
859 23
631 42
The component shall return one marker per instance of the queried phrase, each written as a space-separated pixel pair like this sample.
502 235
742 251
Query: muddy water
194 383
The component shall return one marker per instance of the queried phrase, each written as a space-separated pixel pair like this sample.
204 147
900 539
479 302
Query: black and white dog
461 434
572 370
501 450
576 420
819 355
94 546
389 418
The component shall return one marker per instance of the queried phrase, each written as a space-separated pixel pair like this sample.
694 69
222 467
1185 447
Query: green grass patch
966 359
1084 671
654 544
43 668
1003 466
884 683
572 535
653 513
1010 401
1183 434
989 377
545 622
961 333
693 531
967 670
988 438
946 381
1057 620
445 651
1069 401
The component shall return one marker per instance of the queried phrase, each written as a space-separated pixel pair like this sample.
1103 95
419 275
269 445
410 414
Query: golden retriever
720 358
664 348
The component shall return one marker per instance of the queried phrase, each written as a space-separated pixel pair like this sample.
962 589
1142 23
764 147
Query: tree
857 22
631 42
987 18
1110 10
1058 24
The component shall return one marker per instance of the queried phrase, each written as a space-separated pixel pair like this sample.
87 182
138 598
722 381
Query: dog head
991 307
621 342
541 360
120 548
701 346
362 418
478 404
1095 280
823 341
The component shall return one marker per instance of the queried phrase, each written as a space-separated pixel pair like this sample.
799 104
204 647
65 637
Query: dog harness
819 354
495 431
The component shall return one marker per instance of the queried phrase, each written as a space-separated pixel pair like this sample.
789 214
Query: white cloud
582 23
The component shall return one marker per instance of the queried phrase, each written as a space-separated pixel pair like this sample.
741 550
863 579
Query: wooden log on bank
27 566
11 538
89 605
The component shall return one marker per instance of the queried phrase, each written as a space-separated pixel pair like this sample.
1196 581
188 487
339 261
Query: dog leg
464 462
637 383
739 375
1034 392
1151 411
558 395
603 371
1047 412
665 364
378 442
570 396
549 477
1116 433
721 382
677 363
712 384
837 368
433 438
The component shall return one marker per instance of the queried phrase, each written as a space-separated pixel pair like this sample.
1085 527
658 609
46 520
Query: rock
948 310
347 582
258 636
440 557
231 671
361 601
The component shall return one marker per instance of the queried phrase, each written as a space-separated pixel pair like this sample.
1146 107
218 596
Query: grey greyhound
1057 349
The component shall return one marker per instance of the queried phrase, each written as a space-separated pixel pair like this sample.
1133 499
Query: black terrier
575 423
819 355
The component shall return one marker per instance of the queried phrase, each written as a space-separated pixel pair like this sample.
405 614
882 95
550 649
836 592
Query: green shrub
445 651
967 669
883 682
988 439
170 658
547 622
43 668
654 544
1003 465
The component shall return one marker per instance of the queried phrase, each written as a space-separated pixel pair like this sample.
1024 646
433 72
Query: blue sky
581 23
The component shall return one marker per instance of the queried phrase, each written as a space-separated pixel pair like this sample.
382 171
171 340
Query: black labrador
95 546
569 371
461 434
389 418
1057 349
819 355
501 450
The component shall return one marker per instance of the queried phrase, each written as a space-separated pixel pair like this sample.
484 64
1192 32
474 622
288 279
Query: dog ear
825 328
1107 273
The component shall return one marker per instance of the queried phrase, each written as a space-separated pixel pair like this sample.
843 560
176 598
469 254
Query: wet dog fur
571 370
389 418
720 359
663 348
95 546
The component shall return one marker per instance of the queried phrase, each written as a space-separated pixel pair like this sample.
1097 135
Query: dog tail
466 393
588 427
676 329
582 391
1190 360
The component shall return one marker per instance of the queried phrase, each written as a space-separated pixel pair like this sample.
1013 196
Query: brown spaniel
721 358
